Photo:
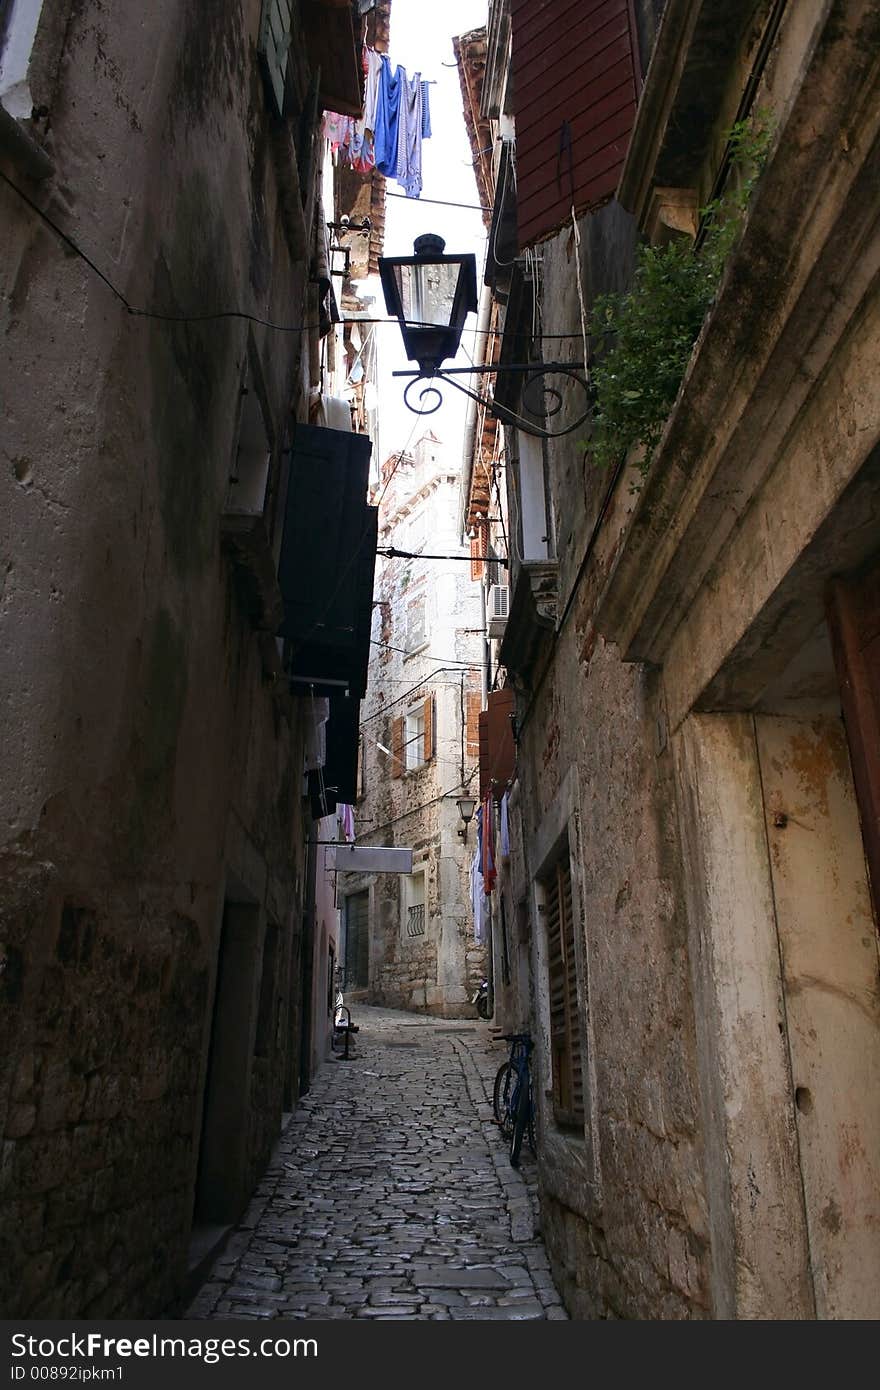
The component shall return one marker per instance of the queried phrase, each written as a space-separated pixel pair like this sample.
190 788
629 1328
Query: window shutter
479 549
574 83
502 749
397 738
429 728
565 1048
274 45
485 777
472 734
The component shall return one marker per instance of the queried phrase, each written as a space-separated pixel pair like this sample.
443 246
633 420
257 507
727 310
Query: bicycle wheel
522 1122
501 1096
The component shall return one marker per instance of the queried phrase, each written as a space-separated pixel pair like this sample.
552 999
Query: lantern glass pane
427 292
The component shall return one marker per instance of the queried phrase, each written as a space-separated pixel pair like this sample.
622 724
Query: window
415 738
18 30
416 625
479 549
565 1044
412 738
417 530
414 905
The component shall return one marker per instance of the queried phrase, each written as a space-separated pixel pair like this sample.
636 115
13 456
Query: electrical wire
443 202
464 783
457 661
391 553
440 670
217 315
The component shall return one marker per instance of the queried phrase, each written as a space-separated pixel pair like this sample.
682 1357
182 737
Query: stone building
693 644
409 940
159 180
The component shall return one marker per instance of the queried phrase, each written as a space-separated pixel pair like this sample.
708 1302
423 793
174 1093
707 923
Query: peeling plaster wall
152 773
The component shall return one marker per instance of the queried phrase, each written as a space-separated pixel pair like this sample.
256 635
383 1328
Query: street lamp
431 294
466 806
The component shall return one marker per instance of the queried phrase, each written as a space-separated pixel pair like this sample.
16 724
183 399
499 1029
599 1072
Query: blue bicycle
512 1096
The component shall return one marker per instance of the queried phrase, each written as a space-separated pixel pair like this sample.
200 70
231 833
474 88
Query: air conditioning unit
497 608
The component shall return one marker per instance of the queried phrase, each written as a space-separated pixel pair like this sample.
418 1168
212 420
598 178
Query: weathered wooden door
357 941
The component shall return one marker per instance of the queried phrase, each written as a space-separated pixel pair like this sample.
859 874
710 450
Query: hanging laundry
505 827
478 898
488 845
396 119
373 70
345 816
387 118
413 119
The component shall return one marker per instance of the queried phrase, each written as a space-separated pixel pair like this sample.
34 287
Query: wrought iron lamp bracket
430 397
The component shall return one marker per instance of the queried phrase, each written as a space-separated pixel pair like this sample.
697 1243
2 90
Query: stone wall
624 1207
153 775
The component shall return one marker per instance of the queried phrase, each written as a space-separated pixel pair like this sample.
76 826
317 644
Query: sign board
369 859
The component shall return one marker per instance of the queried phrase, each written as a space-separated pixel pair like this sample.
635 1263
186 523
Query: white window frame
414 737
415 895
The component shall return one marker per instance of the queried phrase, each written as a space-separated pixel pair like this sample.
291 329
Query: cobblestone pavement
391 1194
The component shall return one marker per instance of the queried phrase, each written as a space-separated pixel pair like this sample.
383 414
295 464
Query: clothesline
395 120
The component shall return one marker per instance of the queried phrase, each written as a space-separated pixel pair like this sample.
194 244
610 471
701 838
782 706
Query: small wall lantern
466 806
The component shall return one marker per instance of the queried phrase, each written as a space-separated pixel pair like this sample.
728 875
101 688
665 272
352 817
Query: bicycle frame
512 1099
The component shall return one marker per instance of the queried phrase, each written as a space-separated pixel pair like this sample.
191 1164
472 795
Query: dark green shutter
273 46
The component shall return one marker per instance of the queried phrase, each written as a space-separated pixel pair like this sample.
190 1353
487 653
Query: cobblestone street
391 1194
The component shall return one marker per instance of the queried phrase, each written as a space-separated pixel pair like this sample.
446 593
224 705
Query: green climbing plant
653 326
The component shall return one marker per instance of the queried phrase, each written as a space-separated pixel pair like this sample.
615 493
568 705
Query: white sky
421 41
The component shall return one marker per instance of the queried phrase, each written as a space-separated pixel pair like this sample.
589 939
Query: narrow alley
390 1194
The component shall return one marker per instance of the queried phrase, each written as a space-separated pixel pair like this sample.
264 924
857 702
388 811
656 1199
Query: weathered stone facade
151 857
681 665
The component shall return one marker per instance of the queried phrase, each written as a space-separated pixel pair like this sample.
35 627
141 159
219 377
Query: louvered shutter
473 723
479 550
429 729
274 45
398 733
502 749
485 774
574 83
565 1047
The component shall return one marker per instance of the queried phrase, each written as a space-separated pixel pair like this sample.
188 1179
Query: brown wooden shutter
429 729
472 723
485 775
854 619
502 749
479 549
574 84
398 734
565 1046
